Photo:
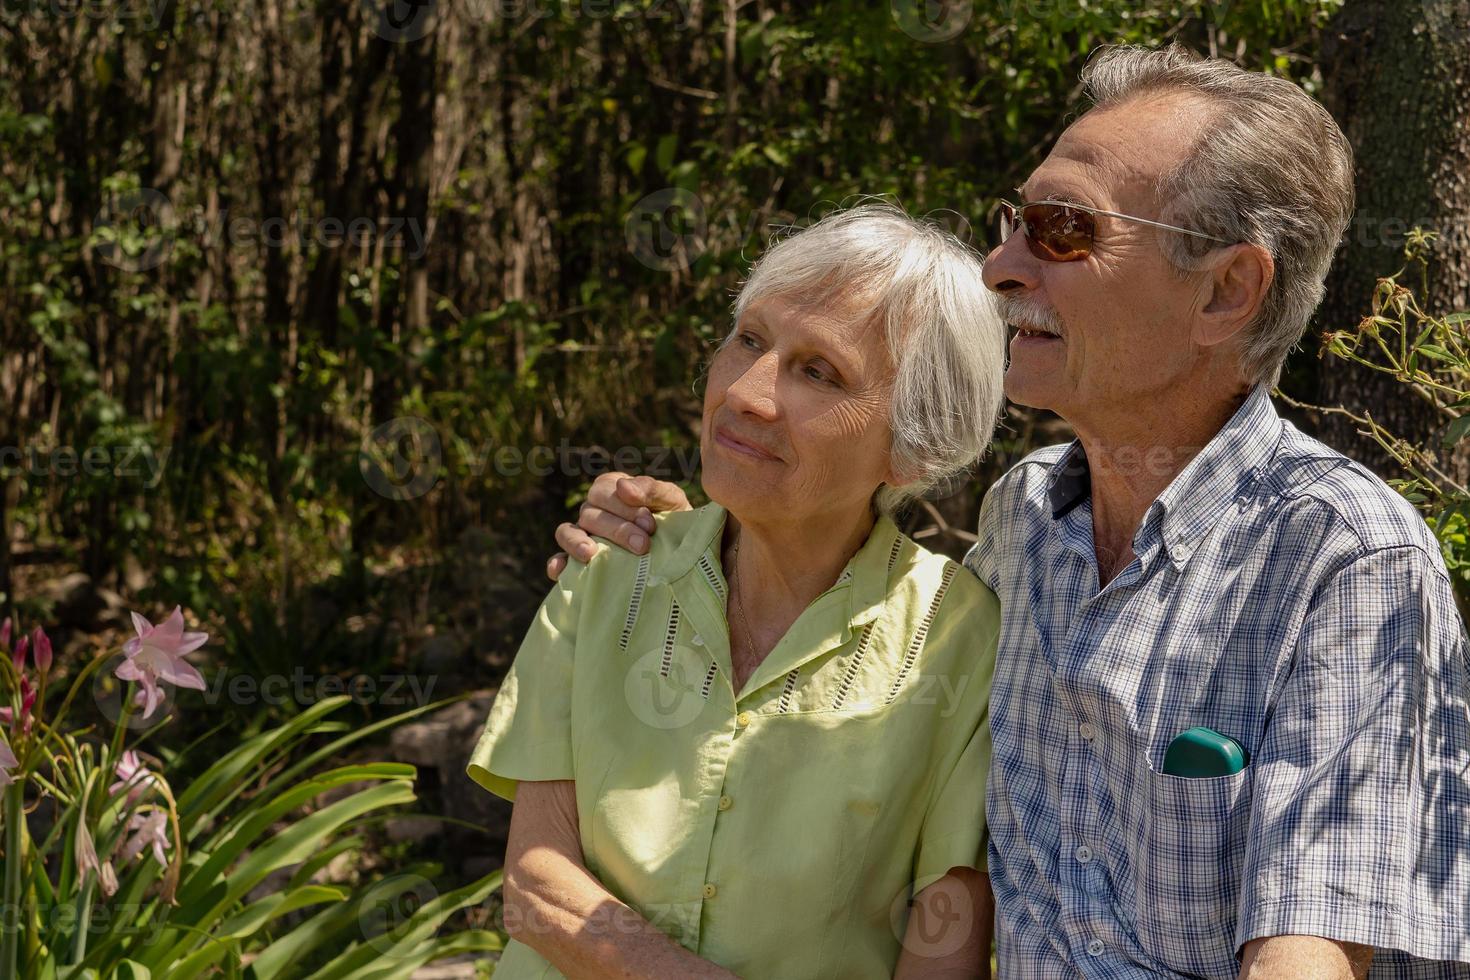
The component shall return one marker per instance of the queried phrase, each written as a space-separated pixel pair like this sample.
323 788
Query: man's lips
734 443
1033 335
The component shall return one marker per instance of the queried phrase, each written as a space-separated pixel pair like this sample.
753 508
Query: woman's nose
755 390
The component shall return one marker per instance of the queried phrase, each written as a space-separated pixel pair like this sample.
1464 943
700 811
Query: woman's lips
744 448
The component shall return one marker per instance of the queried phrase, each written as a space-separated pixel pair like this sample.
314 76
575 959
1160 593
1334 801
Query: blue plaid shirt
1283 596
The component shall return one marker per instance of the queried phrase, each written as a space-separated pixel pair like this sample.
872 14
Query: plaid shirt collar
1225 469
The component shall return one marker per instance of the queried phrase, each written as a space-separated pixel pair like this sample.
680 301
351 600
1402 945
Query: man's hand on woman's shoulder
619 508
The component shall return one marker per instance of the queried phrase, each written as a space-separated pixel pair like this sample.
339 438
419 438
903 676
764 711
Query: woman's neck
777 570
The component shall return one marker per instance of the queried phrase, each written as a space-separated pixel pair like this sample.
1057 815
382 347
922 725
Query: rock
441 654
271 883
114 610
412 828
440 747
74 601
133 577
449 968
446 737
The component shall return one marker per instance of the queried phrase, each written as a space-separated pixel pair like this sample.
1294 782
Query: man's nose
1010 266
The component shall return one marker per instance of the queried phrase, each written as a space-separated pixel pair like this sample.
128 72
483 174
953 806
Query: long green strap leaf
291 846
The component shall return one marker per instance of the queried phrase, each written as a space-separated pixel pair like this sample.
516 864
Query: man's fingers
604 496
555 565
656 495
575 542
606 524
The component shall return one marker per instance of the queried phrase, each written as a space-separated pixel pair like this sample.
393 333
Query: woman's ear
899 475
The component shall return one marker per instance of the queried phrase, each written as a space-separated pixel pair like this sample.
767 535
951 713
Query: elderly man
1192 565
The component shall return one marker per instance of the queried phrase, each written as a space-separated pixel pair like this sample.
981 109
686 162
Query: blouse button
698 640
742 719
709 890
726 803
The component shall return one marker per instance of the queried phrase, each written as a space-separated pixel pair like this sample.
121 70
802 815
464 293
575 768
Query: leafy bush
129 876
1429 355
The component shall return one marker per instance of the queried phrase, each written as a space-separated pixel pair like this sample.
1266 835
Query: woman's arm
554 905
949 929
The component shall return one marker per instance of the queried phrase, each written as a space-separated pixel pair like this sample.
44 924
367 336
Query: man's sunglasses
1058 231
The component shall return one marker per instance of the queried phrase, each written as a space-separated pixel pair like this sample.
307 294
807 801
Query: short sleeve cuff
1379 925
499 766
961 849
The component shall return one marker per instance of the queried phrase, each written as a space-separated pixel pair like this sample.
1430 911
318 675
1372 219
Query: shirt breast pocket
1193 851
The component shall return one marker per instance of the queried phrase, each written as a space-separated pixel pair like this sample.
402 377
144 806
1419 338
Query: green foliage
161 312
1428 354
248 843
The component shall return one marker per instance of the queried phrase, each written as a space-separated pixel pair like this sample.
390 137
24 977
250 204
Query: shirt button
726 803
709 892
1094 948
698 640
1087 731
1084 854
742 719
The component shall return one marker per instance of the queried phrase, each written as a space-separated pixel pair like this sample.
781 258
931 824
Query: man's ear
1239 277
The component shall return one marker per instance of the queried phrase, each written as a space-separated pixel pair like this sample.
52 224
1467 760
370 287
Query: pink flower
41 644
86 855
149 829
27 701
157 653
8 761
133 775
18 655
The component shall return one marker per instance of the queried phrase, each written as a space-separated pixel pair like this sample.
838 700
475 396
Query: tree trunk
1398 82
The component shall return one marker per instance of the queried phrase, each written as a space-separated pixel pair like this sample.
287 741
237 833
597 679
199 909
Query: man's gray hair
1271 167
923 287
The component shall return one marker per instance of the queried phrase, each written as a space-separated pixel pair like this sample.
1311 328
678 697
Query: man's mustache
1024 312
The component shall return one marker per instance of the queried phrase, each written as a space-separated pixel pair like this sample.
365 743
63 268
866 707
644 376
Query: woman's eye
817 374
749 342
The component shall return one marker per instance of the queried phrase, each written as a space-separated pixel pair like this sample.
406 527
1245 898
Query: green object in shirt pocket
1202 753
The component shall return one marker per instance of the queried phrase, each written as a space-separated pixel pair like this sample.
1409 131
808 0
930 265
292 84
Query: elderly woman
754 749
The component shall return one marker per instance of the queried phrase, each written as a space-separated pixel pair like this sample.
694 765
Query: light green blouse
779 830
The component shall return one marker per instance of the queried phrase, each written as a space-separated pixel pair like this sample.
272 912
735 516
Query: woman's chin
740 497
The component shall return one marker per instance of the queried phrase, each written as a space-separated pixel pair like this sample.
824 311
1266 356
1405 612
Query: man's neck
1134 456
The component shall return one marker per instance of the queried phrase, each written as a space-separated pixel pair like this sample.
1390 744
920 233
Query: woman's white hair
923 286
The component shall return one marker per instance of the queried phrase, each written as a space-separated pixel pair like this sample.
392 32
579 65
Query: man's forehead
1118 152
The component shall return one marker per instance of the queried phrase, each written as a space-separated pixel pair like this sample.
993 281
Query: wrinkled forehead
849 321
1114 157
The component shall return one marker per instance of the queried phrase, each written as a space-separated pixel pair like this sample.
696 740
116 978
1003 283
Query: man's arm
1304 958
1356 829
950 929
554 905
619 508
